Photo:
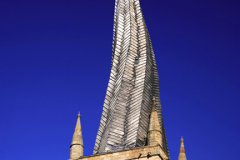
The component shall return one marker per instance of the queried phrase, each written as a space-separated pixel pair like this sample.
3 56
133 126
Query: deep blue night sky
55 59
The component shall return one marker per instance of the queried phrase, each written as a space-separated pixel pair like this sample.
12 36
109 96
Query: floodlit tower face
132 85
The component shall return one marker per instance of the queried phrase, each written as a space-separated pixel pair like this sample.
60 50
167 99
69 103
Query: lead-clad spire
132 84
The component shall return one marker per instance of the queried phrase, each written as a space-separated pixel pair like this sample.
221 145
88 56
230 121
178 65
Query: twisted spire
132 84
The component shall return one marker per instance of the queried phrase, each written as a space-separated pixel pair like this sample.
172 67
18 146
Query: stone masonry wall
143 153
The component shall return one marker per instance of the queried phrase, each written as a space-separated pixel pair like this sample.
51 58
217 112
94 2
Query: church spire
154 131
76 148
132 84
182 154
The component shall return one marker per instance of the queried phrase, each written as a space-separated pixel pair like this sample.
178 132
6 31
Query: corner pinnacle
76 150
154 131
182 154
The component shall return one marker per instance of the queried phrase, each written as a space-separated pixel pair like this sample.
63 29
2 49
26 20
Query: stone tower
182 154
152 150
76 148
132 84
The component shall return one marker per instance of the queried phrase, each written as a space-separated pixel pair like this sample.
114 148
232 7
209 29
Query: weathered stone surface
154 131
76 148
143 153
182 154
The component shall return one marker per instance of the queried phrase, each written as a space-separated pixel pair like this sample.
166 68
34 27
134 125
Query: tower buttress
76 148
182 154
154 131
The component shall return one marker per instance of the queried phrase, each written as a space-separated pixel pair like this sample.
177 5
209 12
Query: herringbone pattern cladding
133 83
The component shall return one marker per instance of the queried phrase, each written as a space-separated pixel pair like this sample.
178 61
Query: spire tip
79 114
182 140
154 98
